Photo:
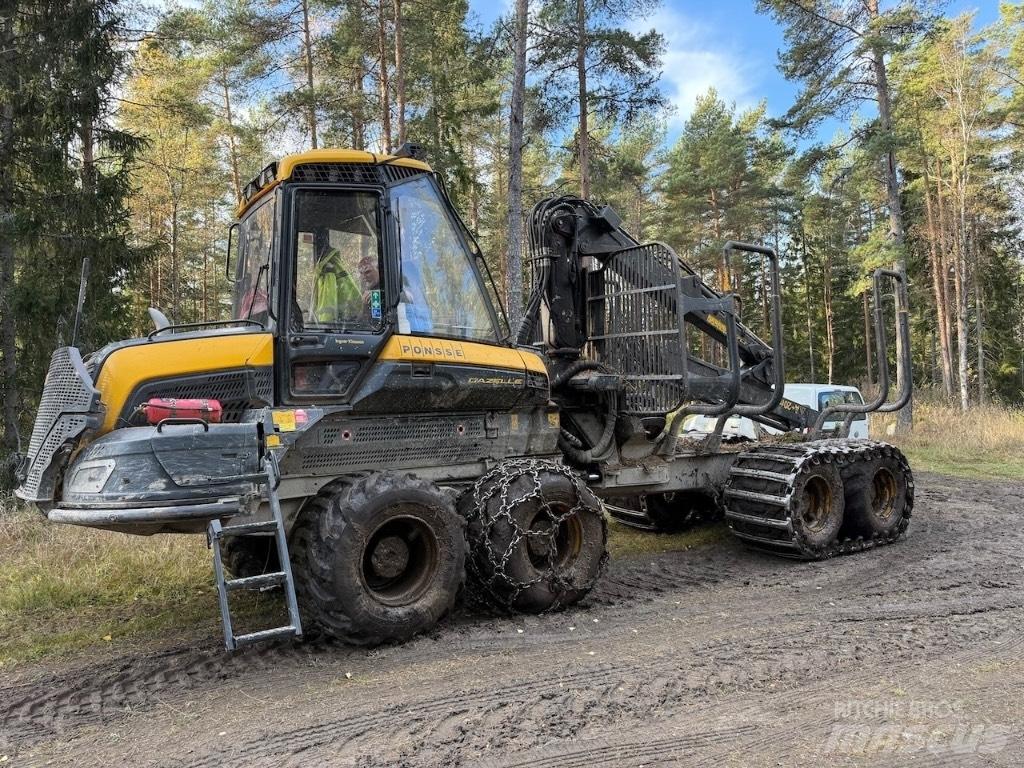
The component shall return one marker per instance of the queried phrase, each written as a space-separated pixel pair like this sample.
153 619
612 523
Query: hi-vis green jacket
336 296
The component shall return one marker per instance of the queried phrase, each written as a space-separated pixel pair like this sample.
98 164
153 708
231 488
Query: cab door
334 318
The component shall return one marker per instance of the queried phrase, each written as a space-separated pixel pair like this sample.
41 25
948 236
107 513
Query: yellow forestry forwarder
366 431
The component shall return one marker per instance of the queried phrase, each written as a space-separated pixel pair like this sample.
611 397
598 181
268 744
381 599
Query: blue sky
724 44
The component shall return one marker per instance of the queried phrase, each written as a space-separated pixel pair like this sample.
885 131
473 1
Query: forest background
127 133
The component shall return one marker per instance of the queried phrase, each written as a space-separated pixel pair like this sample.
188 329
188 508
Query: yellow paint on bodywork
418 349
127 368
287 164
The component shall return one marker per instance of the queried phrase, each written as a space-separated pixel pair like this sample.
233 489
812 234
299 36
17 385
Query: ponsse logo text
432 351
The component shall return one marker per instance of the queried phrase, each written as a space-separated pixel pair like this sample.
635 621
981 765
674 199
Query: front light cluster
91 476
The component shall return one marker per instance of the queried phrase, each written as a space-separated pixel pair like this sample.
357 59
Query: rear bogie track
819 499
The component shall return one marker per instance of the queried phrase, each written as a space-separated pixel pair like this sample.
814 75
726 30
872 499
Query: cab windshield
441 293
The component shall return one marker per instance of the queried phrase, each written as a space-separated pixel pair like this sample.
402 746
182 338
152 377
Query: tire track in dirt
784 623
611 692
92 695
609 753
787 722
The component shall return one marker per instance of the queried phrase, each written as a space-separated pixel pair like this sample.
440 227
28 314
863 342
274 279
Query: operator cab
336 250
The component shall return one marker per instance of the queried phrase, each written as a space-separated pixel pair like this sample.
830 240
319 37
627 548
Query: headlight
91 476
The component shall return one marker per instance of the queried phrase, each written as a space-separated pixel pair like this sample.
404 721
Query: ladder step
761 474
256 582
755 520
764 498
265 526
282 578
266 634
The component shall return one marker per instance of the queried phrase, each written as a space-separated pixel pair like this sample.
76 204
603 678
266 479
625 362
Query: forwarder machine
366 430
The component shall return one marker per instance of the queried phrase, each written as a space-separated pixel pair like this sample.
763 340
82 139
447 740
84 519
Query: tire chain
845 455
499 587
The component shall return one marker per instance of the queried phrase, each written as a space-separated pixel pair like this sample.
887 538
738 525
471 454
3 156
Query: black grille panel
353 173
69 406
636 325
237 390
413 441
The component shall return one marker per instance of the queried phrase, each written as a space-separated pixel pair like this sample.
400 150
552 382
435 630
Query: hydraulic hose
604 442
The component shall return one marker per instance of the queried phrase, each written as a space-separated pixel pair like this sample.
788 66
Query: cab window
839 397
252 279
337 261
440 292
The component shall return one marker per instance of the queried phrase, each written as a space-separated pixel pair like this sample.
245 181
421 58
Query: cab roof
283 169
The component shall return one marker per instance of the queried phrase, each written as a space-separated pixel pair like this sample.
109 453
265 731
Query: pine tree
589 64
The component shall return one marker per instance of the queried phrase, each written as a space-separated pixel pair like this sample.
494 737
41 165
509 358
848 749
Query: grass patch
985 443
65 589
624 541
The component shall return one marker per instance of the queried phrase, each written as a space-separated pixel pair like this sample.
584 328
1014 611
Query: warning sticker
284 421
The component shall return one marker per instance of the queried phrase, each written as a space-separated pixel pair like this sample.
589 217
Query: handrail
205 324
879 404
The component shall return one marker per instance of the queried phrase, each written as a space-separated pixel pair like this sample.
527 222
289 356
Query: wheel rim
400 560
566 538
818 503
883 494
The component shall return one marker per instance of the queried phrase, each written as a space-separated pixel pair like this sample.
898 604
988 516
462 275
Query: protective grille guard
69 407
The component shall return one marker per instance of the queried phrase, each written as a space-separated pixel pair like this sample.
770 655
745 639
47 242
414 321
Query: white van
821 396
816 396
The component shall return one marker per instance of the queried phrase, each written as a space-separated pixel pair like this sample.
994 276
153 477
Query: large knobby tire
538 537
818 505
876 498
377 560
246 556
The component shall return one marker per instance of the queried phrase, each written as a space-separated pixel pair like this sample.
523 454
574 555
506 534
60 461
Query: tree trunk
979 312
307 55
382 79
938 277
358 122
581 72
513 261
807 301
905 417
236 179
960 291
399 74
175 281
946 265
830 336
8 337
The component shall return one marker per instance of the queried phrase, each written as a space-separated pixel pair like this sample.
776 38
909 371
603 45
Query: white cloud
694 60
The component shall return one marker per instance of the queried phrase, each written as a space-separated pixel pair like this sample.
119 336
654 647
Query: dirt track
910 655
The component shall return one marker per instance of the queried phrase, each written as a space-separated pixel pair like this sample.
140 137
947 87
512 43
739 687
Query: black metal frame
879 404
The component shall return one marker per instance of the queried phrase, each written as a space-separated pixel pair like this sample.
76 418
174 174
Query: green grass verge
975 466
65 589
